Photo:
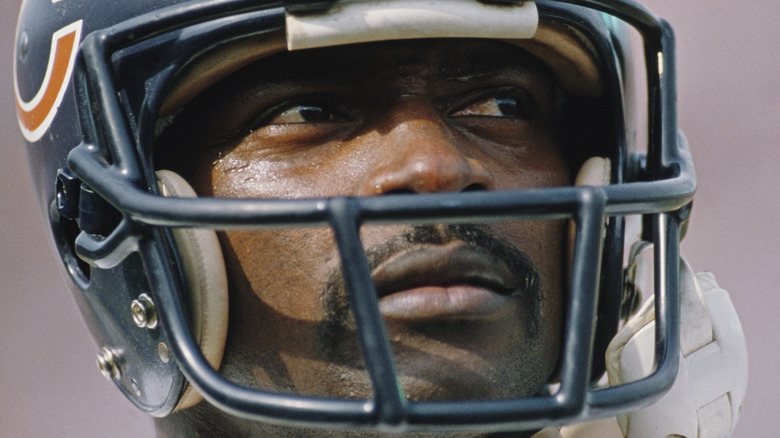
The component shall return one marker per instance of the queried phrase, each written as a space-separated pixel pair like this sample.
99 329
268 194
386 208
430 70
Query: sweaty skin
472 310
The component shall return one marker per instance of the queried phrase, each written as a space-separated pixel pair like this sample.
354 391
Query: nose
421 154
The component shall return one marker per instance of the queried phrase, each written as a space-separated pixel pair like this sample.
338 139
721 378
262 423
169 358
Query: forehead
447 59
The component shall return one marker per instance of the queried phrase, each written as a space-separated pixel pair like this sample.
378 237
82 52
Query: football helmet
96 82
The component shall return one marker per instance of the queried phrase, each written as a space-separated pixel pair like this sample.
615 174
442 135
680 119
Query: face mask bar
122 184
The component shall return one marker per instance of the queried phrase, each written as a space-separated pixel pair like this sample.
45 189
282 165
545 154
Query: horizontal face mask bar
221 213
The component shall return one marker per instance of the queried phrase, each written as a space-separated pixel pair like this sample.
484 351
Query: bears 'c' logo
35 116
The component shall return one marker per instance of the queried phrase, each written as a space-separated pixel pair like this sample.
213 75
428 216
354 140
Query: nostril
474 188
399 192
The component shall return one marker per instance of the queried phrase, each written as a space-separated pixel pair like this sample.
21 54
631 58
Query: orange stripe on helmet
35 116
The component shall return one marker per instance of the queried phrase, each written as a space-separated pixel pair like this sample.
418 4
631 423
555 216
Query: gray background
729 57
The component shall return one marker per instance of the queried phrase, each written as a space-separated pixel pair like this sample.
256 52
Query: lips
440 282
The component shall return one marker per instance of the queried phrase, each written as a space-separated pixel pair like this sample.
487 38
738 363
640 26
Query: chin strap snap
705 400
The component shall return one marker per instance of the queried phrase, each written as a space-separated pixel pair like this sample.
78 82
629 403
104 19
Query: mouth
456 281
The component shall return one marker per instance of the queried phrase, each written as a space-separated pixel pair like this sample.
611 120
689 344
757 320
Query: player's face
472 311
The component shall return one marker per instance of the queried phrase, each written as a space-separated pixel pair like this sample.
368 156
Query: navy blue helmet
97 82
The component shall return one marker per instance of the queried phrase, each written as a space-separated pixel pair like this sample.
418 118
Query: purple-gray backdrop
728 56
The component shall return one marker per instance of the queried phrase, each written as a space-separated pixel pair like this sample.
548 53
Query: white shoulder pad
705 400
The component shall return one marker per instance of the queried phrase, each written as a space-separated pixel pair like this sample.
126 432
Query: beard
452 369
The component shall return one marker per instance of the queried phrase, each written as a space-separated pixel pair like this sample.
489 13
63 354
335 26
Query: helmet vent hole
65 232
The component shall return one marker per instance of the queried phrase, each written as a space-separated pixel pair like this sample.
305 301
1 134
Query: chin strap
705 400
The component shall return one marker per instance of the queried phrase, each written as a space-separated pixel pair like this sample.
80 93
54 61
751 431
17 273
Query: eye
503 103
306 112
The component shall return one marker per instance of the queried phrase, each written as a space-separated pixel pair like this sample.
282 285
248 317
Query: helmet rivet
163 352
24 45
134 386
108 363
143 312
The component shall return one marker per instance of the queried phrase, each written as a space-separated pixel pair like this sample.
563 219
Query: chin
442 379
453 383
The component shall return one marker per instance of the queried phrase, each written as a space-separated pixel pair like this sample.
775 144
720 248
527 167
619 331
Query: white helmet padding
205 281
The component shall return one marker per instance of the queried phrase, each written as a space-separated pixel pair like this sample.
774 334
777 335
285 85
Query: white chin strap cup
205 281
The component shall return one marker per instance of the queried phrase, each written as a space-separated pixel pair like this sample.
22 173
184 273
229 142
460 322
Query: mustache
334 295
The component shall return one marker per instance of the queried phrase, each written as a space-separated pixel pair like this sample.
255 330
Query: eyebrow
488 63
332 69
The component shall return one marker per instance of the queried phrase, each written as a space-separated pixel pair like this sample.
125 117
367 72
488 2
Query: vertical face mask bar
663 148
114 130
640 393
579 337
389 402
667 312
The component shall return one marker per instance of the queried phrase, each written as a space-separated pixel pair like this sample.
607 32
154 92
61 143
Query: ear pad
594 172
205 279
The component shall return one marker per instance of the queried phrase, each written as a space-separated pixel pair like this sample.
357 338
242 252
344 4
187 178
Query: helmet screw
163 352
108 363
143 312
24 44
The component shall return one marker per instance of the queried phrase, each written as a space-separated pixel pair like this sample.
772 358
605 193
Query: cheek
554 270
333 169
536 164
276 312
546 243
240 176
284 269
